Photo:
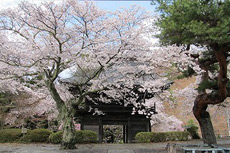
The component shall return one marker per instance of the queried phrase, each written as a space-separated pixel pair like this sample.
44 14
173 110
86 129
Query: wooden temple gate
115 114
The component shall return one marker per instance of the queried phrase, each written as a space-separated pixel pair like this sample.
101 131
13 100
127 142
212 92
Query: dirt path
101 148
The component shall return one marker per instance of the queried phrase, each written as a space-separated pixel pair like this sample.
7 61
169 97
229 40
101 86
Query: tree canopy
38 43
198 22
205 24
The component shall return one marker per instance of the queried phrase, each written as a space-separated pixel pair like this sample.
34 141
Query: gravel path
101 148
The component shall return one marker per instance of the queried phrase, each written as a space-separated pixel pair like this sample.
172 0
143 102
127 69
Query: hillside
183 111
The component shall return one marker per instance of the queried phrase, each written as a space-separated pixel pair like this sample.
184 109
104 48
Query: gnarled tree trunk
66 114
68 139
204 120
203 99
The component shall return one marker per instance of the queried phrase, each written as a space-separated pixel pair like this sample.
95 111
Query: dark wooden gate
114 114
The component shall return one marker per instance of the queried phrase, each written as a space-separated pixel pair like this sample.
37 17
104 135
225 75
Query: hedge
44 135
146 137
83 136
10 135
86 136
36 135
56 137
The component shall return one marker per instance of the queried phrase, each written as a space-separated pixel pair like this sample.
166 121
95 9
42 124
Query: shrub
37 135
26 139
56 137
10 135
177 136
159 137
192 129
83 136
86 136
146 137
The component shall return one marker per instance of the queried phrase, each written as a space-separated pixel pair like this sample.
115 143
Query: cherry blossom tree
40 41
51 48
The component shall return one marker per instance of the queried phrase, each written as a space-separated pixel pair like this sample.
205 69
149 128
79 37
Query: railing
206 149
190 148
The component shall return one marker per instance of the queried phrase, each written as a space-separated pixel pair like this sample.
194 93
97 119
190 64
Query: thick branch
53 73
222 77
221 94
203 100
55 95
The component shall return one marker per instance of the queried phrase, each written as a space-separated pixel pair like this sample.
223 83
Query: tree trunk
203 99
66 115
68 139
204 119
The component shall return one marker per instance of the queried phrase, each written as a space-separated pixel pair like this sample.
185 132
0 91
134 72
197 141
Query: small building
114 114
114 105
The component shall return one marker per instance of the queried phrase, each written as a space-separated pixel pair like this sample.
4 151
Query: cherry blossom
59 46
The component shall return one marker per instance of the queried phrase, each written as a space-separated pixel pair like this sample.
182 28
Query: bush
56 137
146 137
86 136
37 135
26 138
83 136
192 129
10 135
159 137
177 136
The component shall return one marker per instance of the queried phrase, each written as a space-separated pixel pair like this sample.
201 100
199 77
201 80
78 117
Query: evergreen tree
206 24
